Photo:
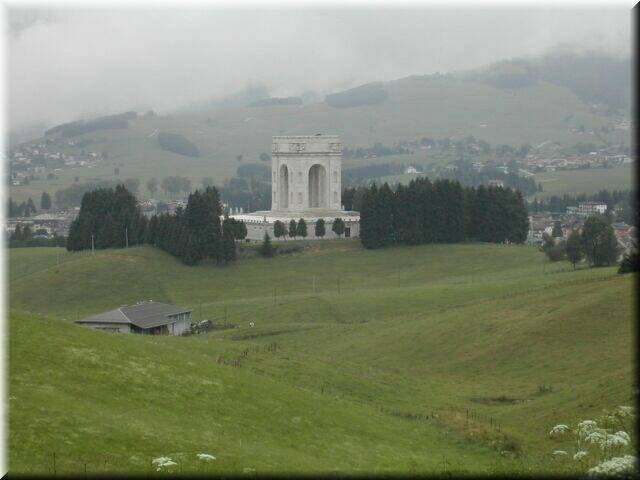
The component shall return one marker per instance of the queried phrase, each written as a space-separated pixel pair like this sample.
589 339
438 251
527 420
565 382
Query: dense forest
440 212
110 218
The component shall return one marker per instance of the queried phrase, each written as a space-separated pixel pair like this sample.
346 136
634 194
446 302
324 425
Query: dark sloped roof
112 316
151 314
142 315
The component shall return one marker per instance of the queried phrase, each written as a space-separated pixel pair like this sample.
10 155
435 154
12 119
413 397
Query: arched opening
283 187
317 187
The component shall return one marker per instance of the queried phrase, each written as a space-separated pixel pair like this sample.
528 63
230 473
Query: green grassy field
358 361
591 180
416 107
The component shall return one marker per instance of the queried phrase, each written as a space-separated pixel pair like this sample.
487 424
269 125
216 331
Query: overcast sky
64 64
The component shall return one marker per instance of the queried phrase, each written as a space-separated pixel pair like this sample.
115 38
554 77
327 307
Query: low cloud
64 64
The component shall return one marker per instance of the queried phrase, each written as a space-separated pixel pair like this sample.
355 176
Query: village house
147 318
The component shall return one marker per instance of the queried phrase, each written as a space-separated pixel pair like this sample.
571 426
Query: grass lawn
357 361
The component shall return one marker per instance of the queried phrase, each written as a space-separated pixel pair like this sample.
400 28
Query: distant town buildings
587 209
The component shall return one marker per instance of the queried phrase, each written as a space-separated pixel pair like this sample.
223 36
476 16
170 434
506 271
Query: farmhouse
148 318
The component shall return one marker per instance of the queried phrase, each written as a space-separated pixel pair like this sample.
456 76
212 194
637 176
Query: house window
335 197
335 177
299 197
299 177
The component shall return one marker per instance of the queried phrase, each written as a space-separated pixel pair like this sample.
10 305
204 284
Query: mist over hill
552 102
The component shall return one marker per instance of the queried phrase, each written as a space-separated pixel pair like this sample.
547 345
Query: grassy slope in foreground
414 332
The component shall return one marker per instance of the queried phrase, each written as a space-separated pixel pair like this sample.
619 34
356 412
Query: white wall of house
179 323
112 327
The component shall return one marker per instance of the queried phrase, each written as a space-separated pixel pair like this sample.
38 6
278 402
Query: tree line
440 212
195 233
111 218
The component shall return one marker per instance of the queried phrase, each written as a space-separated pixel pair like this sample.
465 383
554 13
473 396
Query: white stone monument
306 173
305 183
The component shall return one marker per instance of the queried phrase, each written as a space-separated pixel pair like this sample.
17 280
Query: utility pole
126 237
92 246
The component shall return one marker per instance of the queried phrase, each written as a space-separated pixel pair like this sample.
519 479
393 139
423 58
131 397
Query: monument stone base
260 222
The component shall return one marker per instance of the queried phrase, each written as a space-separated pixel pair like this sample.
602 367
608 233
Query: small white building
586 209
147 318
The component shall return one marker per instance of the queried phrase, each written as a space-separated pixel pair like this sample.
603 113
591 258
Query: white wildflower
560 429
206 456
580 455
162 462
596 438
615 466
624 435
251 324
614 440
586 427
624 411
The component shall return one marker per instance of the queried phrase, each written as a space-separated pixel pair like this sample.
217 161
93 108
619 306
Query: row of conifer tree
110 218
441 212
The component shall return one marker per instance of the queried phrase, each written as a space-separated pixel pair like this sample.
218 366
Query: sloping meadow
419 359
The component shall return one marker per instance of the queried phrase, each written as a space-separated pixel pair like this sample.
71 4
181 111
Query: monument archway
283 187
317 186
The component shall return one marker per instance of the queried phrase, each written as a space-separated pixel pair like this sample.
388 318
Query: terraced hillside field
441 358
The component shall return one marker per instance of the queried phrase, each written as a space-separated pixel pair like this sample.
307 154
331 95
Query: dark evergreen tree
320 229
368 218
30 208
45 201
338 227
266 249
293 230
301 228
111 216
228 245
385 206
279 229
